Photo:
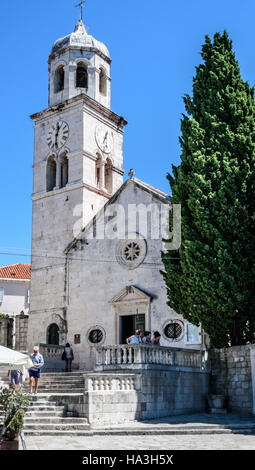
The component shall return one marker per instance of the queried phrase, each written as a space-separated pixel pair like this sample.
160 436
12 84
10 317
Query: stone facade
231 376
81 284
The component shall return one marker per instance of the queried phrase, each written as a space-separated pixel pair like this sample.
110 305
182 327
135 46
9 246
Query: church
96 240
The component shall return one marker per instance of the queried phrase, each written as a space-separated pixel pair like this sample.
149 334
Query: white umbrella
13 360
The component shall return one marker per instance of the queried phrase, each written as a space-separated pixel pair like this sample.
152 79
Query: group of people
17 376
139 338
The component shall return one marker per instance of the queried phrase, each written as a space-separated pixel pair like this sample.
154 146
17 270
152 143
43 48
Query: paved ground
189 441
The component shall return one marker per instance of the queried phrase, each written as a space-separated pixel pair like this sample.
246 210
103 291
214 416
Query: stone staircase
51 411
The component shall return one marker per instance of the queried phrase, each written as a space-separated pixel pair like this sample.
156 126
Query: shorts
16 377
35 373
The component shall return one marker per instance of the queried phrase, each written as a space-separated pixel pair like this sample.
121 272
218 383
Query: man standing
35 371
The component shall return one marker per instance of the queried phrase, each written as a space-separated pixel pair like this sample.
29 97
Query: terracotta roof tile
16 271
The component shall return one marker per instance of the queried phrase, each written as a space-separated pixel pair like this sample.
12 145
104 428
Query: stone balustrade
51 351
111 382
137 356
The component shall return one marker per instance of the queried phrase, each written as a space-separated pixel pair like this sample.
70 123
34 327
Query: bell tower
78 166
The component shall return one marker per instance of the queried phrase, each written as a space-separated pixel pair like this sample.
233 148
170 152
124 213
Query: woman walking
68 357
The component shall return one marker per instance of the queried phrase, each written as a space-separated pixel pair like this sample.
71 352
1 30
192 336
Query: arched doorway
53 334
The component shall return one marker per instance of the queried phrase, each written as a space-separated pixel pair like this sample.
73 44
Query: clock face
104 139
58 135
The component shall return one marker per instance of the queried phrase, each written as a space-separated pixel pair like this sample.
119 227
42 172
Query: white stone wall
15 297
60 214
95 278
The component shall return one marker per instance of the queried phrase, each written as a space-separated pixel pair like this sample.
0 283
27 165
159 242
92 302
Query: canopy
13 360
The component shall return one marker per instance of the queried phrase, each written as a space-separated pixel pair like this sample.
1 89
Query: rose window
131 251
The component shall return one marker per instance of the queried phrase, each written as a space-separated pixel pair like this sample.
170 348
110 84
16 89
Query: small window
96 336
193 334
102 81
59 79
1 294
174 330
81 76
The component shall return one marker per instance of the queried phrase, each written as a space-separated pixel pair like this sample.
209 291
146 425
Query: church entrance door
129 324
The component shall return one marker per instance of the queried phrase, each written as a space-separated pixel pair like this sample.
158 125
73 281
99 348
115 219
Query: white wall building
15 289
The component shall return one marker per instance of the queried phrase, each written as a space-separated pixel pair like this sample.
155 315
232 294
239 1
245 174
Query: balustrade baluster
124 358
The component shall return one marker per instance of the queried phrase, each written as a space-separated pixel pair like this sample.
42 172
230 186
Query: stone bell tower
78 166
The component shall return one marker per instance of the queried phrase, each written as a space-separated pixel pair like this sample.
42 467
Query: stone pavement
186 432
186 442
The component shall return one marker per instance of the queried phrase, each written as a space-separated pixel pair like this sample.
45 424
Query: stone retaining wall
231 376
114 398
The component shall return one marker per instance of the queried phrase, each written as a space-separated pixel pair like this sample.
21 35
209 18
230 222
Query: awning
13 360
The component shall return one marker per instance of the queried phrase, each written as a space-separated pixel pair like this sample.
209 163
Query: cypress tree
211 279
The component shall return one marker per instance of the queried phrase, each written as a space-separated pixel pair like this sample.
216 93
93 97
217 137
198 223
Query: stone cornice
80 99
78 48
19 281
70 187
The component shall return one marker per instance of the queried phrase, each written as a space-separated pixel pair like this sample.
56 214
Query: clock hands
56 135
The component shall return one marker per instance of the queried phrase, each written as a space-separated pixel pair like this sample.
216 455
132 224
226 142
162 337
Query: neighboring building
83 289
15 289
14 303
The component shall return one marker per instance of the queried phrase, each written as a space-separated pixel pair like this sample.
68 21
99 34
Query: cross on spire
81 5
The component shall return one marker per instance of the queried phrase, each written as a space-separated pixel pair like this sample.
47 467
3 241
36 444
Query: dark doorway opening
129 324
53 334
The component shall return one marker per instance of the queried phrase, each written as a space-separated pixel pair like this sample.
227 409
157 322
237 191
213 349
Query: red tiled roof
16 271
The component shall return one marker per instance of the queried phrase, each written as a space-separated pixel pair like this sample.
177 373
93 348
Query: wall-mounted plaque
77 339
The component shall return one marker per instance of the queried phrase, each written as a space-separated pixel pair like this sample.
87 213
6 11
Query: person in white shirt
135 339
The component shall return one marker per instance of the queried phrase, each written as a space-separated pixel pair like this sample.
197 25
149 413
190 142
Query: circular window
131 251
174 330
96 335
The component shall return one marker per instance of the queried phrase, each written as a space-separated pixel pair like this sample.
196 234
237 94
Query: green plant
14 425
211 279
15 406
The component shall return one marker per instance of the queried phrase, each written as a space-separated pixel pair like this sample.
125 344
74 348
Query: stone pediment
131 294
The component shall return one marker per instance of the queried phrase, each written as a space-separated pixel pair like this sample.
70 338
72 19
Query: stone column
102 179
58 178
252 350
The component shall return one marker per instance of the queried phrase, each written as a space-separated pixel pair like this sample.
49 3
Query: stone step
54 396
52 391
38 426
45 412
43 388
59 382
55 420
52 409
62 374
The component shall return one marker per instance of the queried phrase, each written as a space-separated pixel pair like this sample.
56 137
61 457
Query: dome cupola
80 38
79 64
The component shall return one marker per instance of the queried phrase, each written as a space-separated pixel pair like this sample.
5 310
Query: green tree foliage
211 279
15 406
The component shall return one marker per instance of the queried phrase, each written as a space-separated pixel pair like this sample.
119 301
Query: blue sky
154 46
